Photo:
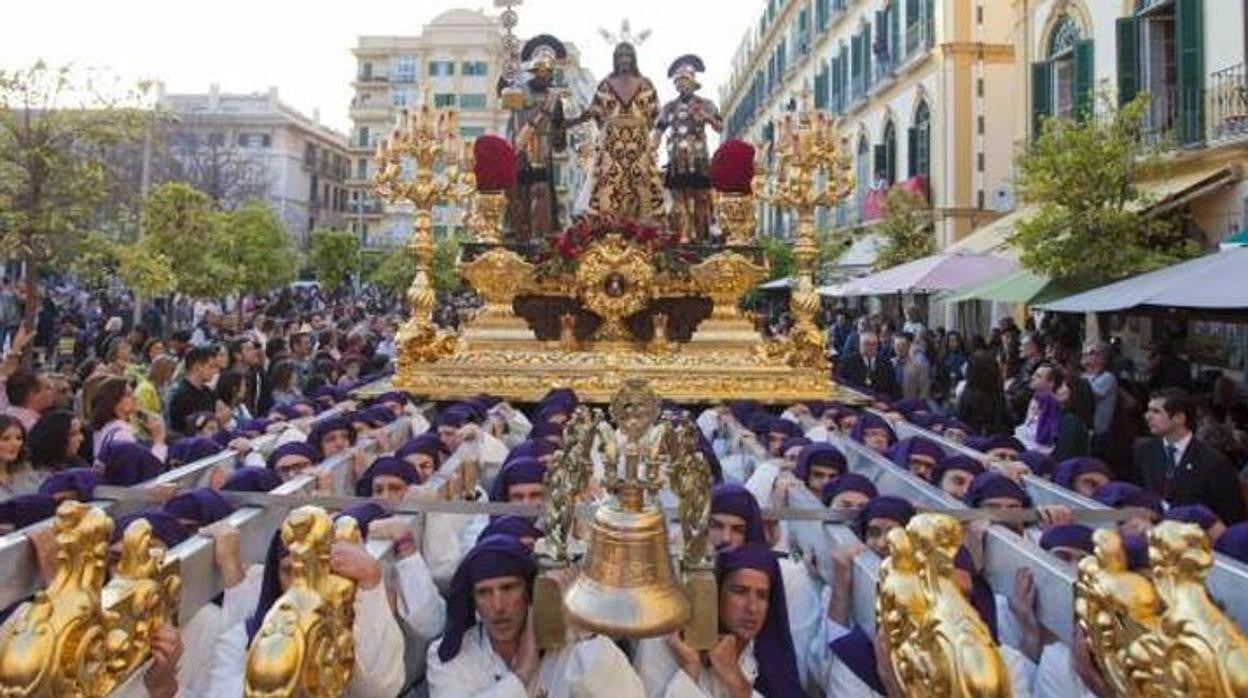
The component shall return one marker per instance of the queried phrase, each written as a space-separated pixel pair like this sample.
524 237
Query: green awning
1021 286
1240 238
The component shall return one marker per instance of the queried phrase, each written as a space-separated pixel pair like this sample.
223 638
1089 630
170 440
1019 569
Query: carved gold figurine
946 649
306 645
141 596
54 645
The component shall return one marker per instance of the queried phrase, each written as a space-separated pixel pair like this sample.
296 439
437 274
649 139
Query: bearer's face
743 603
423 464
292 466
876 440
502 603
821 475
876 535
922 466
335 442
727 531
526 493
449 436
955 483
389 488
1088 483
850 499
775 441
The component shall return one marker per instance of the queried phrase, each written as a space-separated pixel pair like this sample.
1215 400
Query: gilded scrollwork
614 280
1159 638
938 644
306 646
726 277
499 275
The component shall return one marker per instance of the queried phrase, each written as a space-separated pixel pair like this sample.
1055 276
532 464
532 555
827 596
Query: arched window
886 165
862 171
921 142
1062 84
1062 59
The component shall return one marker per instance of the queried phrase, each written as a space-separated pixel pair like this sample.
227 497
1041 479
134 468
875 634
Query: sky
303 46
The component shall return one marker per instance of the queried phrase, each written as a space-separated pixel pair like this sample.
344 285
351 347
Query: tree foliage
180 225
779 256
906 228
55 124
334 256
1083 177
395 271
252 245
444 272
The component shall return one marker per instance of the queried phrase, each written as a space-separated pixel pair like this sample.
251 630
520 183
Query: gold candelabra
422 163
812 171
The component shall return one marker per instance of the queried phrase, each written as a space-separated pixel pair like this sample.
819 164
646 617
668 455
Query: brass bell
627 588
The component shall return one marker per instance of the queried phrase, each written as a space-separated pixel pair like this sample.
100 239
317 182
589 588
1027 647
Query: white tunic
586 669
201 632
420 605
663 677
1055 677
379 671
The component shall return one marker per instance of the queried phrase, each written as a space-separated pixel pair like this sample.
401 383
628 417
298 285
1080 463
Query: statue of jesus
625 107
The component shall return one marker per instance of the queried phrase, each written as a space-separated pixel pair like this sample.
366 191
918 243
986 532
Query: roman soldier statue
688 159
537 131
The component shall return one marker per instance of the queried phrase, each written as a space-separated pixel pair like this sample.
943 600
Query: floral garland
562 252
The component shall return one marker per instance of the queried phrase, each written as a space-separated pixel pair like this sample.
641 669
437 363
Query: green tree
55 126
395 270
334 256
253 246
180 225
148 274
445 269
906 229
93 259
1084 177
779 256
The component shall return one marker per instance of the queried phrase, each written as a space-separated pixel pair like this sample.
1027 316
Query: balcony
1174 116
372 78
1228 104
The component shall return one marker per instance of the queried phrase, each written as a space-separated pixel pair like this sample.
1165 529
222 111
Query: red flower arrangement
566 247
732 167
494 164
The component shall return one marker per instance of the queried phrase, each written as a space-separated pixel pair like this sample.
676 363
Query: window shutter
1190 50
1041 95
866 58
1085 79
1128 59
912 152
880 162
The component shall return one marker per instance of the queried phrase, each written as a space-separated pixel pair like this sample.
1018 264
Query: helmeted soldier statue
687 175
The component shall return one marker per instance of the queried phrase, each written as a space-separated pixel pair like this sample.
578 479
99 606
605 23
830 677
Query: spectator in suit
1180 467
867 369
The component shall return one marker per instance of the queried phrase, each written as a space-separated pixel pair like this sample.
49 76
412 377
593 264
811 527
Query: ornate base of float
696 371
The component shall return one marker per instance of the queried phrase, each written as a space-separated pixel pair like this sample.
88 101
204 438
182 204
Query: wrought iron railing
1228 103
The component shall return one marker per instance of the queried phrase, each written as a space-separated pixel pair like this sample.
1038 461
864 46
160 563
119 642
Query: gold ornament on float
938 644
306 645
81 637
1163 638
614 280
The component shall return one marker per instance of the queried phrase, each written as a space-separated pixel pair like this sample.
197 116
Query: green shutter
866 58
1085 79
1041 95
879 165
1190 52
912 151
1128 59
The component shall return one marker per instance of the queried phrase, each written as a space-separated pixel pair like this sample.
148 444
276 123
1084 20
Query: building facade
1187 56
456 61
921 92
239 147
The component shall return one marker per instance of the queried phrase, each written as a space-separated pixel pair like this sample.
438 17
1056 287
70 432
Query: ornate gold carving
735 213
422 343
488 209
726 277
80 637
566 480
690 478
141 596
614 280
306 646
55 644
936 640
1164 638
499 275
427 141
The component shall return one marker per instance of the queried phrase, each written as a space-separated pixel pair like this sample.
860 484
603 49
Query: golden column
427 145
812 172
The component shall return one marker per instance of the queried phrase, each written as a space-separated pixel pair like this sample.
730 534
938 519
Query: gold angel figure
690 478
1205 654
952 653
306 645
54 645
1115 608
900 601
139 598
566 480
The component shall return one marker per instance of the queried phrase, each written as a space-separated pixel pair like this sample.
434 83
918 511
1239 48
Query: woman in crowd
56 442
16 476
150 392
981 405
113 410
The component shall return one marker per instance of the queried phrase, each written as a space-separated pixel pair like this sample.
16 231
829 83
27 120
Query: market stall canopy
1212 282
939 272
1022 286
